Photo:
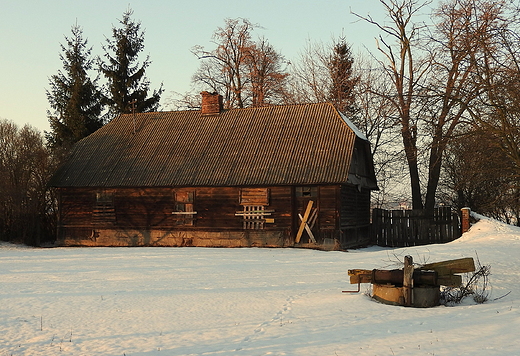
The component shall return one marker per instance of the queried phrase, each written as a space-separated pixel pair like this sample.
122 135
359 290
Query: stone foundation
130 237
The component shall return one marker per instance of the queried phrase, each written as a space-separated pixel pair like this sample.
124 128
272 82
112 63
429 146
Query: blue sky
31 32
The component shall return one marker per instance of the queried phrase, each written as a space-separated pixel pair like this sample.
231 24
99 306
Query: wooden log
444 274
360 276
394 276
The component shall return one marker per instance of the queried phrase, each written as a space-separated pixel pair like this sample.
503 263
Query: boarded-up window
184 213
254 196
253 216
254 202
104 211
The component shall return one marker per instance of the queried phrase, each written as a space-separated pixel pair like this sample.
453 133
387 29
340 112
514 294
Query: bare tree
372 113
25 168
319 73
406 73
267 77
432 71
498 109
246 72
223 69
472 180
309 76
330 73
496 114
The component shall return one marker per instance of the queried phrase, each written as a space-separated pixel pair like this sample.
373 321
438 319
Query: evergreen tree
127 83
343 80
74 98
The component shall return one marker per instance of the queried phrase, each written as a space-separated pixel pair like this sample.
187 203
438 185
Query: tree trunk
411 157
433 175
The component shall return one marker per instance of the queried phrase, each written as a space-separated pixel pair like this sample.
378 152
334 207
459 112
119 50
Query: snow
354 128
204 301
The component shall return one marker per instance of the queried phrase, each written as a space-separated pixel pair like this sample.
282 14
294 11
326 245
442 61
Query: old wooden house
268 176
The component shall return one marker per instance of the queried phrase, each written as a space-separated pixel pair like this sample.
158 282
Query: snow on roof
350 124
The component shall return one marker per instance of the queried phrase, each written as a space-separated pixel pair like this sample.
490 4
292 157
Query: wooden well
422 297
413 287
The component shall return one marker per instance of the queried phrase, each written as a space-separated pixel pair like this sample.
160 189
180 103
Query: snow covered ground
201 301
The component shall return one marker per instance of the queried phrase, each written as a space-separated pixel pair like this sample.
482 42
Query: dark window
306 192
185 215
104 211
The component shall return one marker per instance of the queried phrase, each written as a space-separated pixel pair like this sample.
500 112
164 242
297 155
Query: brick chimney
211 103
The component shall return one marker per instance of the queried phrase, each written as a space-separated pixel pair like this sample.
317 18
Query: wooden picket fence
401 228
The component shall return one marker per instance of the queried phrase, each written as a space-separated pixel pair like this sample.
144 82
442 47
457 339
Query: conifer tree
75 99
127 82
343 79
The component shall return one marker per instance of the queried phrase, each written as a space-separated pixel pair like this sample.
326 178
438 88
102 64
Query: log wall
201 216
355 216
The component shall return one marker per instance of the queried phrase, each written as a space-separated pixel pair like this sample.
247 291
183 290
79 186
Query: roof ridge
232 109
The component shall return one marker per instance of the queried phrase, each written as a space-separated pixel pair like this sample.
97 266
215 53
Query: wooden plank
254 196
449 280
461 265
312 218
304 221
308 229
253 212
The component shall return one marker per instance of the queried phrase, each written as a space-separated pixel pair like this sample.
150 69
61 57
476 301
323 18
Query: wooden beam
461 265
308 229
304 222
408 281
450 280
253 213
360 276
312 218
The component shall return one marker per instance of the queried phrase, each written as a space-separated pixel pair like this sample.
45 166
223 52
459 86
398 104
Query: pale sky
31 32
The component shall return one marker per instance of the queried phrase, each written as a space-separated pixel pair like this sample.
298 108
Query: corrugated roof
294 144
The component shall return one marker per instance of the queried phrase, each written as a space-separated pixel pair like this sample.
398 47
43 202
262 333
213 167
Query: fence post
408 281
465 219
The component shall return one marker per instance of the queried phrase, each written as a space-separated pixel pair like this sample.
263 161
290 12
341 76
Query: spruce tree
75 99
127 83
341 92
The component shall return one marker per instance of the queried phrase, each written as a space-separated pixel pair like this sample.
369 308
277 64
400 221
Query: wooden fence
401 228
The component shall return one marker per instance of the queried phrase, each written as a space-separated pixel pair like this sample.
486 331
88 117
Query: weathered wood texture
343 214
205 216
354 216
408 280
401 228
